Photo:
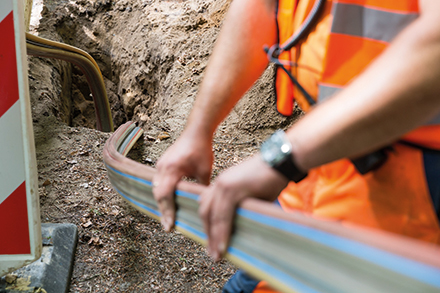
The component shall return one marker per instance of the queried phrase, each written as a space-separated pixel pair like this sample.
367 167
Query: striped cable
293 252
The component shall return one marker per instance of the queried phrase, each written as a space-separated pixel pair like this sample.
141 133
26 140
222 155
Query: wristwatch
277 153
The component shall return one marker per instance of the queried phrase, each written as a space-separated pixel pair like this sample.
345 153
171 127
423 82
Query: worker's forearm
237 61
397 93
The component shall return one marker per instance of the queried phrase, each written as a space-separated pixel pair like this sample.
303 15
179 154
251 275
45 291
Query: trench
152 55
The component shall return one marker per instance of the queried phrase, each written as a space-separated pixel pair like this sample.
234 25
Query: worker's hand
253 178
189 156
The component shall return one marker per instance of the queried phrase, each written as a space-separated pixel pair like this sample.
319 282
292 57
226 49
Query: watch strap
288 168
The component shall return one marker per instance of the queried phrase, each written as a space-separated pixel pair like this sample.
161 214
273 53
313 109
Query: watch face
276 148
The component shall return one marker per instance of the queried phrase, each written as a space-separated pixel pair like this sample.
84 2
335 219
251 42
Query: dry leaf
46 183
95 241
163 136
84 153
87 224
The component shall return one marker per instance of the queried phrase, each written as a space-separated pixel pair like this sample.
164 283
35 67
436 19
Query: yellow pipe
37 46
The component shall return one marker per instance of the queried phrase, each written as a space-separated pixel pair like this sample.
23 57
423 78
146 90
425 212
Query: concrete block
52 272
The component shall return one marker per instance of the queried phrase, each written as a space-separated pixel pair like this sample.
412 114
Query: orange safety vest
335 52
348 36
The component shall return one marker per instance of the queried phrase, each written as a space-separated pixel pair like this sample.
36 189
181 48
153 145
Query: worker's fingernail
163 222
169 222
215 255
221 248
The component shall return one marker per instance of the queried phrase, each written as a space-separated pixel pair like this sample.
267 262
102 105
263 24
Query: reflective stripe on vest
358 35
361 33
326 91
360 21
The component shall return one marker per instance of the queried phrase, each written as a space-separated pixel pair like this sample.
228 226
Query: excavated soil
152 55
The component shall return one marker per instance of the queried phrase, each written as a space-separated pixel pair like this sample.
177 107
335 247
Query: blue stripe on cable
130 176
413 269
157 213
178 192
191 230
279 275
153 211
187 195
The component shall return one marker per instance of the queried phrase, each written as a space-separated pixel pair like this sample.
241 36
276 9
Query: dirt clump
152 54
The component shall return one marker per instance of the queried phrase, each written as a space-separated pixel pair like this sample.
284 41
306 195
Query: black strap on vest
310 21
274 52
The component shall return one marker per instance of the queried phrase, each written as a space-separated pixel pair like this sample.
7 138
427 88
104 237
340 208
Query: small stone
85 185
149 137
10 278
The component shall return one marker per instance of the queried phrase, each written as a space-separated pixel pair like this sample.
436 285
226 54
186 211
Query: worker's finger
205 207
221 219
163 189
217 209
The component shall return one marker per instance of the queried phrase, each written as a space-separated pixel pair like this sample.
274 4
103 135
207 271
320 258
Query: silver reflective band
326 91
360 21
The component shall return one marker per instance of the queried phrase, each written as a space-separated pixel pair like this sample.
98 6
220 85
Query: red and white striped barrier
20 232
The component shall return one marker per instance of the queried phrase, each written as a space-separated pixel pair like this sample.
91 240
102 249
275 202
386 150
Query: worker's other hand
189 156
253 178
